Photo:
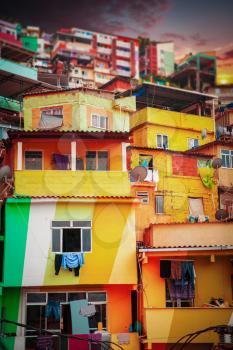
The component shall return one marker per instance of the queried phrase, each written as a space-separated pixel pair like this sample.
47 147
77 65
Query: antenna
221 214
138 174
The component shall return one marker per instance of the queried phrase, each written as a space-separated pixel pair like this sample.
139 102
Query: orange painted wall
67 119
63 146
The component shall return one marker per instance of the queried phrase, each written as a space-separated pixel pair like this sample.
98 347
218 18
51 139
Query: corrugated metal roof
185 247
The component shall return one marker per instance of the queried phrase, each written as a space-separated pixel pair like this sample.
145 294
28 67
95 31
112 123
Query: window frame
97 160
230 157
193 138
51 108
145 199
26 304
162 135
98 126
60 228
42 159
156 212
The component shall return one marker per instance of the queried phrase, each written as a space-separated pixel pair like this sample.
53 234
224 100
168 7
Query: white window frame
229 155
70 227
192 139
143 196
98 123
162 136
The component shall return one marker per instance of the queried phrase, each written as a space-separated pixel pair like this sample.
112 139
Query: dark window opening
33 160
71 240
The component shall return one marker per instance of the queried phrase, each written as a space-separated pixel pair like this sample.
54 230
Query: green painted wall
10 302
30 43
16 225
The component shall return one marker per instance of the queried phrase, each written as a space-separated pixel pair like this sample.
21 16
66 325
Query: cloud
173 36
199 40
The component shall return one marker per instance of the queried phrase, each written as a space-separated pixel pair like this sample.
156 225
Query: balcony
191 235
124 73
104 50
104 40
71 183
123 63
120 43
102 70
121 53
10 104
168 325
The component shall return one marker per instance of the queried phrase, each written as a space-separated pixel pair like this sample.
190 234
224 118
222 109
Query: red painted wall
184 166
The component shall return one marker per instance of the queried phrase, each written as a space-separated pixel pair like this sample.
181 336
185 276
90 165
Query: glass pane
165 141
60 223
33 160
35 317
82 223
223 161
91 160
159 141
103 122
71 240
86 239
36 297
56 240
76 296
102 160
61 297
96 296
159 204
100 316
95 121
228 162
225 151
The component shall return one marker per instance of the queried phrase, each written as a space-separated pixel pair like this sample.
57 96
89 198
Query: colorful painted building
72 194
172 133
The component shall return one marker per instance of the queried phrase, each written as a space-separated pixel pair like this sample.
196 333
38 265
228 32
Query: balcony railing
168 325
71 183
121 53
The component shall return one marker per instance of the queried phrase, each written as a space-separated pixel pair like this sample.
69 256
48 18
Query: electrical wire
40 330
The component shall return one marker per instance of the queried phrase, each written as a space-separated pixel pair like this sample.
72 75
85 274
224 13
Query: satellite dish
221 214
4 172
138 174
217 163
204 133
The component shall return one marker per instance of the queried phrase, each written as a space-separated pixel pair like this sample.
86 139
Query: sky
194 26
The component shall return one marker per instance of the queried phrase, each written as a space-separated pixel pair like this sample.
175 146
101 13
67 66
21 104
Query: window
97 160
193 143
51 118
196 206
162 141
99 121
159 204
146 160
71 236
144 196
227 158
33 160
36 316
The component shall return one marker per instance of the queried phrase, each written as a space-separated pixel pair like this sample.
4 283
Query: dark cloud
199 40
173 36
120 16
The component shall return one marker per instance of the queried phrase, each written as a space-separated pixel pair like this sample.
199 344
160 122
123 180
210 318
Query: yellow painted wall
168 325
72 183
179 127
77 108
176 190
112 259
